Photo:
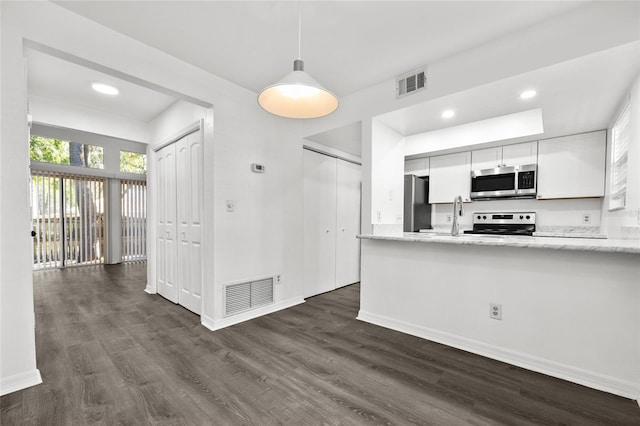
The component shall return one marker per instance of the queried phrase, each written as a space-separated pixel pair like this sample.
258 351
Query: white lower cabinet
179 222
449 176
332 190
572 166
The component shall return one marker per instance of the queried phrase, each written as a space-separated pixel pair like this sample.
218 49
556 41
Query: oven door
493 183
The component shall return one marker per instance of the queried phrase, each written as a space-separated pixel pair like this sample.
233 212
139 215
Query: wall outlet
379 214
586 218
230 205
495 311
278 279
399 218
449 218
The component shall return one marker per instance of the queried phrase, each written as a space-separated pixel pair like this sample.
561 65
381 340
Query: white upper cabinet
520 154
450 176
418 167
508 155
572 166
487 158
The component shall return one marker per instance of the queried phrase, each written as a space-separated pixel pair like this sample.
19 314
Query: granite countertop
557 243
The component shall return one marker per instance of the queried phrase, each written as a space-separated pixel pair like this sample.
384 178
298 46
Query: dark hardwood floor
111 354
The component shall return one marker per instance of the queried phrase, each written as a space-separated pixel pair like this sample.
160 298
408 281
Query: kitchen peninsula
569 307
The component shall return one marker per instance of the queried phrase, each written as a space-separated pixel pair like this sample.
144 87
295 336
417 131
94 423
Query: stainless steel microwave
504 182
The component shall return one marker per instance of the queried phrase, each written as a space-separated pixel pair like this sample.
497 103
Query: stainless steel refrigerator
417 210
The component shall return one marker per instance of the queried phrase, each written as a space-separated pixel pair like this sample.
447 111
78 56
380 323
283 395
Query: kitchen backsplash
551 215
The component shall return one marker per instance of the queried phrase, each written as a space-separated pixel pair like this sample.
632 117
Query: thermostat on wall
258 168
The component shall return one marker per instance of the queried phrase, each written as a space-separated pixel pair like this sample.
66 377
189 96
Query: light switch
230 205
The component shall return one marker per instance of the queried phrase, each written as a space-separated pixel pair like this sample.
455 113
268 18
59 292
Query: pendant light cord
299 30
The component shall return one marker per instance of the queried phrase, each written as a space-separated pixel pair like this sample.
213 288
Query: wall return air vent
411 82
246 296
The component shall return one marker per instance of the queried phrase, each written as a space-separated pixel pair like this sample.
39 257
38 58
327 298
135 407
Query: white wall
552 305
387 175
625 223
54 113
17 345
263 237
173 120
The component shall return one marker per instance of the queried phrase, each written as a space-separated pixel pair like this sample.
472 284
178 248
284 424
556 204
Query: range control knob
484 217
528 217
521 217
479 216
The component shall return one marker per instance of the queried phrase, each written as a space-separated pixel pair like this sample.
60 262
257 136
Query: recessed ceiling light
448 113
527 94
105 89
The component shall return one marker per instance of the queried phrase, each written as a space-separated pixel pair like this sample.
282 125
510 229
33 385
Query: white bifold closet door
189 183
166 247
332 189
348 190
179 245
319 223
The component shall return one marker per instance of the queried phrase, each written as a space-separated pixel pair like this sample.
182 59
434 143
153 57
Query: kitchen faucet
457 210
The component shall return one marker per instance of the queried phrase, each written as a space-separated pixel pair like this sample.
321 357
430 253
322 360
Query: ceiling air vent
411 82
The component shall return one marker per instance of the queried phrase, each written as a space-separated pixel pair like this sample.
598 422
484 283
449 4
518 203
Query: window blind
619 156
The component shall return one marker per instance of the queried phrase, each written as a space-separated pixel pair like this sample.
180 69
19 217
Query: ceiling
346 45
65 82
575 96
253 44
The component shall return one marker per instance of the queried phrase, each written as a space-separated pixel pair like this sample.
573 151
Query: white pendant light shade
298 95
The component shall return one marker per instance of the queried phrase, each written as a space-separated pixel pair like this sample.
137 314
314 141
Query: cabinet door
166 258
520 154
319 223
450 176
418 167
189 208
349 178
486 158
572 166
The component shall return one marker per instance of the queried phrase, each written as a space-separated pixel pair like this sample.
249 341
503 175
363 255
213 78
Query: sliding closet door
166 261
319 223
189 181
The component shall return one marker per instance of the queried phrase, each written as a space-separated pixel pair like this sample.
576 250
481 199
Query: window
619 155
133 162
57 151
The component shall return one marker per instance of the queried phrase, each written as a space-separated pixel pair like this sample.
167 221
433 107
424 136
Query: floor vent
243 297
411 82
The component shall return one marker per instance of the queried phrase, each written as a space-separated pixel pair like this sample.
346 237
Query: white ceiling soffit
511 126
575 96
346 139
347 46
64 82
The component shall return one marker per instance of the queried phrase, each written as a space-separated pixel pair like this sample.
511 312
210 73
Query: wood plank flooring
111 354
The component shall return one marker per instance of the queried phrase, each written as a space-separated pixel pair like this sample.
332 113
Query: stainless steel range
503 223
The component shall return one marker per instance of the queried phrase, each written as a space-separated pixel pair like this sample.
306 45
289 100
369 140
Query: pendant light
297 94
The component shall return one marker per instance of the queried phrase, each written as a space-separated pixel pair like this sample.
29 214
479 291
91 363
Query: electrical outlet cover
495 311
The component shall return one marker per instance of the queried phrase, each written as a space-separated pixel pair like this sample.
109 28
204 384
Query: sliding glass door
68 213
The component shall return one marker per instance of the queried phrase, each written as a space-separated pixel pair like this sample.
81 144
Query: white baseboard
214 325
150 290
583 377
19 381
